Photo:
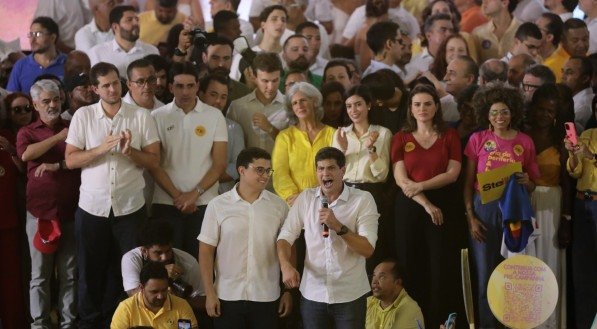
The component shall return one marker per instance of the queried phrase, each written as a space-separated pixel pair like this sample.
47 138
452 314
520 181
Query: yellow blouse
586 170
549 167
293 159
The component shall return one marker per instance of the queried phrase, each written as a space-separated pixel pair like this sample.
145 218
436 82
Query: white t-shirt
111 52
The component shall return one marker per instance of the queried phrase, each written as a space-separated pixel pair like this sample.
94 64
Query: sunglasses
22 109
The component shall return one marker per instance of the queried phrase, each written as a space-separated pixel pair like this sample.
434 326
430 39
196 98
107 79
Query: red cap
48 234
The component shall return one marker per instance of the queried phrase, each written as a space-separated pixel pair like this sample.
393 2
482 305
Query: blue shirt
27 69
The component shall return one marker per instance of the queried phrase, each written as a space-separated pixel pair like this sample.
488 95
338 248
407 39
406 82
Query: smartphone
451 322
571 132
184 324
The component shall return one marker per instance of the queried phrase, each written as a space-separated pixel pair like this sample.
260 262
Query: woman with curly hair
500 108
426 158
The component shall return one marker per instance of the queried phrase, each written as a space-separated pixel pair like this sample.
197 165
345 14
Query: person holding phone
582 165
500 108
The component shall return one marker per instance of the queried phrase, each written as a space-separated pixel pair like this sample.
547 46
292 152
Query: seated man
156 247
153 305
391 307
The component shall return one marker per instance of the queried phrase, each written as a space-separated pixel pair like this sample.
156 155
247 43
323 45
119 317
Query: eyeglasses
21 109
261 170
36 34
143 82
528 86
495 113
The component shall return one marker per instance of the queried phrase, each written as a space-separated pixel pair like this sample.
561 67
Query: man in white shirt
156 247
357 19
142 84
125 47
577 74
590 9
385 40
334 284
262 113
112 142
216 6
98 30
527 40
311 31
242 225
194 146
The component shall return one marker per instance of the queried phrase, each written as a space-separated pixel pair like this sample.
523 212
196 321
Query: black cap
73 81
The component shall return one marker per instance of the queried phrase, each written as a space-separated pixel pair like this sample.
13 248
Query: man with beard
155 24
141 84
156 247
311 31
52 191
218 59
298 58
79 94
153 306
125 47
44 58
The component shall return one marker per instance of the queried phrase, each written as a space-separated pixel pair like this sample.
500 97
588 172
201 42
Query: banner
493 182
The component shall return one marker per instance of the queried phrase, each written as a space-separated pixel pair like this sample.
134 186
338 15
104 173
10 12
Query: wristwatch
343 230
179 52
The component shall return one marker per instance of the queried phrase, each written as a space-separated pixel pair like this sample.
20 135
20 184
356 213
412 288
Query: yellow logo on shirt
518 149
409 147
199 130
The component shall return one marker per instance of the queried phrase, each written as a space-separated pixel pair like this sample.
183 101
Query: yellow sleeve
187 313
283 183
121 318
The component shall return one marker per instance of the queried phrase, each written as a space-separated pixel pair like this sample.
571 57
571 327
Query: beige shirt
488 45
359 168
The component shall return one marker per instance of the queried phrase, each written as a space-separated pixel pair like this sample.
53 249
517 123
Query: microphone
326 229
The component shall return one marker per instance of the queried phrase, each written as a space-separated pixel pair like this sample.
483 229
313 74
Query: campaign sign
493 182
522 292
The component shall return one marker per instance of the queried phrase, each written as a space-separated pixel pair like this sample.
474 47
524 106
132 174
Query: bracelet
179 52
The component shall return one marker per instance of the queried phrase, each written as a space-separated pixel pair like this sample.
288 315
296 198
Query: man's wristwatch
343 230
179 52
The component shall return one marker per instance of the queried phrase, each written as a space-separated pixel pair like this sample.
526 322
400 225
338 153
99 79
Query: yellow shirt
402 314
488 45
154 32
293 159
586 169
549 167
359 169
132 312
556 62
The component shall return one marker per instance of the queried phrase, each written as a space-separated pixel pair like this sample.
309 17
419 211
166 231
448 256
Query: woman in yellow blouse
293 158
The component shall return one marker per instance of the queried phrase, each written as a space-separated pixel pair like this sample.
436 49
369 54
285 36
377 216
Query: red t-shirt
422 164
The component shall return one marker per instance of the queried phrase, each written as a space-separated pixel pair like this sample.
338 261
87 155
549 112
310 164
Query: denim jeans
244 314
185 227
101 242
349 315
42 271
584 261
487 256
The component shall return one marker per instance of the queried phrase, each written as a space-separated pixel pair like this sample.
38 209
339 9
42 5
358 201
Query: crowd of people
315 166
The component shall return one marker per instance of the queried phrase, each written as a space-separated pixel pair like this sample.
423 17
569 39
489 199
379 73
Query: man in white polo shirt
194 151
242 224
112 142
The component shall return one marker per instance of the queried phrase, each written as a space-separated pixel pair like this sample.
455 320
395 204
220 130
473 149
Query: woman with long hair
454 46
426 158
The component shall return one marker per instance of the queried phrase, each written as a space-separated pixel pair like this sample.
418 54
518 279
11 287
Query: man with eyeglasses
142 83
44 58
527 40
238 241
194 145
534 77
437 28
386 41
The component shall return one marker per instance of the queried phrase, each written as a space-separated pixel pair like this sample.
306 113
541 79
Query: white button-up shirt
112 181
128 98
187 140
242 110
110 52
244 233
333 273
89 36
375 66
583 101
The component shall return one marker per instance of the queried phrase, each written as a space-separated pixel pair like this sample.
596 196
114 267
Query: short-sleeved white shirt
333 273
132 262
112 181
358 18
244 233
89 36
110 52
128 98
187 140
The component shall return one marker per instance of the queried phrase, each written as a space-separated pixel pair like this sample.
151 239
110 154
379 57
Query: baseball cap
47 237
73 81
